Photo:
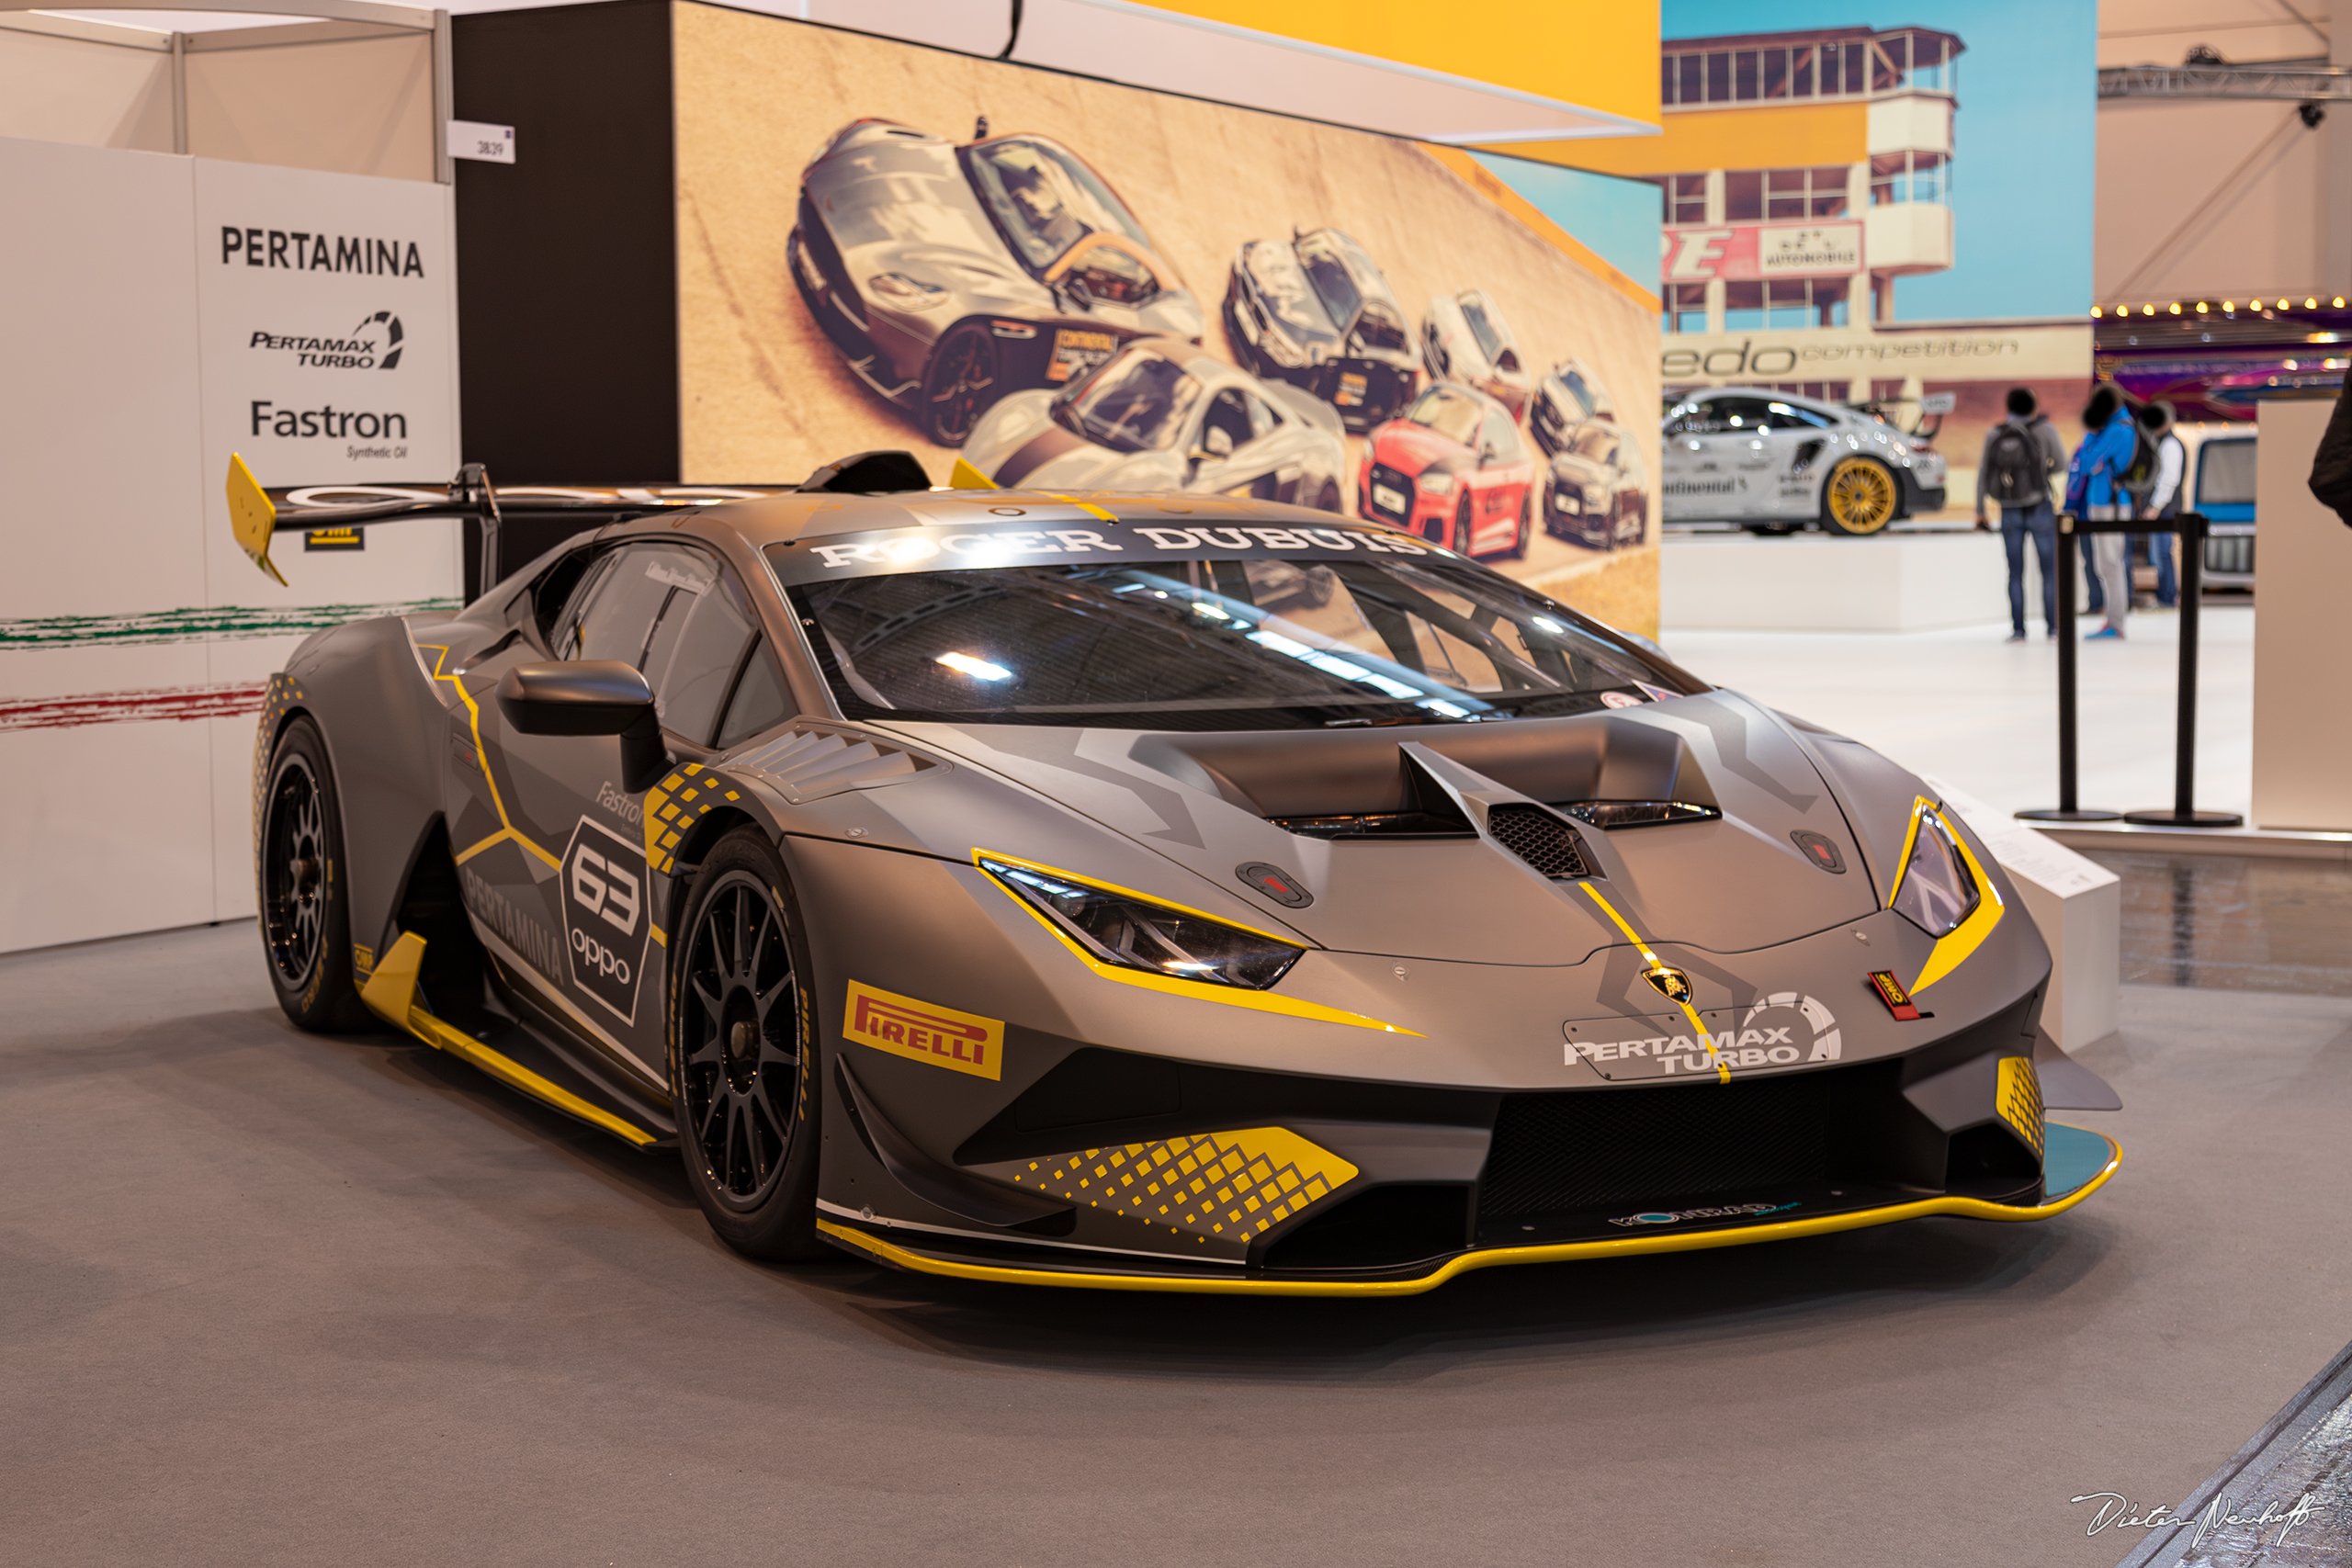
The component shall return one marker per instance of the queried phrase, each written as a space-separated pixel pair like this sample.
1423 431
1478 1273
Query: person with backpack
2021 454
2161 498
2111 453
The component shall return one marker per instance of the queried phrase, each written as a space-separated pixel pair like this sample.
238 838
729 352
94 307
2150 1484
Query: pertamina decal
605 917
925 1032
1783 1030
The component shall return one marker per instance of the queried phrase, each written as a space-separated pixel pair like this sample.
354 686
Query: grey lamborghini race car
950 276
1163 414
1773 462
1316 311
1142 892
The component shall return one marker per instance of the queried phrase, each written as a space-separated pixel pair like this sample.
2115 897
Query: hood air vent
1614 813
1540 839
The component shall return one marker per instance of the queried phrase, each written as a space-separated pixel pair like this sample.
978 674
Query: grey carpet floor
269 1299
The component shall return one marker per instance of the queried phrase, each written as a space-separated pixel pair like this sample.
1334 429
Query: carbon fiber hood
1203 803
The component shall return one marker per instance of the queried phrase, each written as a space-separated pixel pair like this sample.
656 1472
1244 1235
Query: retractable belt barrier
2190 526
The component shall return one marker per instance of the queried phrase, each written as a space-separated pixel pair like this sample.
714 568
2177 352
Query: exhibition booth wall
171 310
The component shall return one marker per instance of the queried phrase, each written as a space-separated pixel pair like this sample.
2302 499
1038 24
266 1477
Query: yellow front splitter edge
1562 1252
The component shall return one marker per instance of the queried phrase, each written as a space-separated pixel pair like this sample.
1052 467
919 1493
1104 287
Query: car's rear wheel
305 886
1859 499
742 1057
1328 499
1771 530
1526 526
1462 525
965 376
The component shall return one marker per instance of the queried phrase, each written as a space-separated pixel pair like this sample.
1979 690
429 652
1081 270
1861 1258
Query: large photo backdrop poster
1070 286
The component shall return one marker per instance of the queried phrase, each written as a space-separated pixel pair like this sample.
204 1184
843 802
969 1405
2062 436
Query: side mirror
590 696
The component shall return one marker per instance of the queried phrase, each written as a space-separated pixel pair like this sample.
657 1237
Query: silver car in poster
1772 462
1164 415
1465 338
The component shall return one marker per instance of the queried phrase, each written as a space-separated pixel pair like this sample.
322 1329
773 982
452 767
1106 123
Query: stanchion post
2069 808
2183 812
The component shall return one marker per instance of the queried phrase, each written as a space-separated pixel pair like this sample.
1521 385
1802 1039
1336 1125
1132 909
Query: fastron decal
604 917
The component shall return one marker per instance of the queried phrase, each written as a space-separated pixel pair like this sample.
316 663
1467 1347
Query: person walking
2021 454
2094 493
2163 500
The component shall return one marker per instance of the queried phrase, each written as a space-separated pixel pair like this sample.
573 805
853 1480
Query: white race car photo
1772 462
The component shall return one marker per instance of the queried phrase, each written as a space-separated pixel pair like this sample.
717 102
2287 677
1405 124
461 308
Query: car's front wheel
743 1056
1859 499
305 886
965 378
1463 524
1526 526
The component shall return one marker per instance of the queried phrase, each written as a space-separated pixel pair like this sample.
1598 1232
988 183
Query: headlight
1435 481
1279 345
1936 891
1135 934
905 293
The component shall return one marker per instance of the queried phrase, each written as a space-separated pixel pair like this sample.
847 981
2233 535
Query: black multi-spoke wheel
740 1063
961 382
304 889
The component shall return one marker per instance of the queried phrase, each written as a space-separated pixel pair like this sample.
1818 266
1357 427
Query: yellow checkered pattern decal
675 805
2018 1099
1230 1186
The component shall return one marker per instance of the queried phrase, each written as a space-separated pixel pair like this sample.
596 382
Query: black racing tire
962 379
1860 498
1327 500
1464 525
1517 550
303 883
1772 530
742 1053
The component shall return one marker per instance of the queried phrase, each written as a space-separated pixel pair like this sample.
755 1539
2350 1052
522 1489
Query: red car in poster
1452 468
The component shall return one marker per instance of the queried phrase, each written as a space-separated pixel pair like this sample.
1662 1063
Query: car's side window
572 609
1500 437
1263 417
696 649
761 700
1740 414
617 617
1788 417
1697 420
1227 413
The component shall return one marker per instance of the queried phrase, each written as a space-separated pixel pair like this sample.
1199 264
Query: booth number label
484 143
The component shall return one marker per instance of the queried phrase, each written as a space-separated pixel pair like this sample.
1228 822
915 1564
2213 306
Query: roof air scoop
869 473
1539 835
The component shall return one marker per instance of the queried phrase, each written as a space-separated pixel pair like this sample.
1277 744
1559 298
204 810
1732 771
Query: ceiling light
978 669
2201 307
2095 313
2175 308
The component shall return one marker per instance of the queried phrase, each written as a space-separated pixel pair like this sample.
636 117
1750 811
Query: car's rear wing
257 516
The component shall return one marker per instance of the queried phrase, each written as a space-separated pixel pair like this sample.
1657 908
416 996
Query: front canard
925 1032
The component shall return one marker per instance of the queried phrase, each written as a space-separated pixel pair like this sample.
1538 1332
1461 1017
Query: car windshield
1482 326
1599 444
1046 200
1574 385
1324 255
1451 413
1210 644
1136 402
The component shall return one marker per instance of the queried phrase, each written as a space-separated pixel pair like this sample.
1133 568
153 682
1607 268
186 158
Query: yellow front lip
1560 1252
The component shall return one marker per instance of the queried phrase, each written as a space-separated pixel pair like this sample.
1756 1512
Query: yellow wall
1776 138
1599 54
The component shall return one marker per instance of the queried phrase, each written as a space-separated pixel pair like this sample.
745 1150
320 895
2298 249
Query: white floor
1982 714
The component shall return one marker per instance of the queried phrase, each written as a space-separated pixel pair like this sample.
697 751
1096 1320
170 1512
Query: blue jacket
2101 461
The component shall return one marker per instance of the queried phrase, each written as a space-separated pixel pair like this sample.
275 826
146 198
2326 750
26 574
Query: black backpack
2139 480
2014 473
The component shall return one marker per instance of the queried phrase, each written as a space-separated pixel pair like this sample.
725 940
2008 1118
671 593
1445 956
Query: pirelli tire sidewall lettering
607 915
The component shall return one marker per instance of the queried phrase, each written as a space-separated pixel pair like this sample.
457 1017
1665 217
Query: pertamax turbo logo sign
1782 1030
605 920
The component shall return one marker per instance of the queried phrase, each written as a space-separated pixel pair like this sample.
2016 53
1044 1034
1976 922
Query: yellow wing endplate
252 517
965 477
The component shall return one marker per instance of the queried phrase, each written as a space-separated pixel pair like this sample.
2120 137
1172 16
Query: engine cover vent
1540 839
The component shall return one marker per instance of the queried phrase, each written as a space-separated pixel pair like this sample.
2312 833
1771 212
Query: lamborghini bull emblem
1670 982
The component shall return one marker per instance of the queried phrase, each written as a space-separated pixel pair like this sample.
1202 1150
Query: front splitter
924 1262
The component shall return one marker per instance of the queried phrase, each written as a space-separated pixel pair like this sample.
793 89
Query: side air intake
1540 839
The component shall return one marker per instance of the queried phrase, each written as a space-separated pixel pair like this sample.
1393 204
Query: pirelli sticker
960 1041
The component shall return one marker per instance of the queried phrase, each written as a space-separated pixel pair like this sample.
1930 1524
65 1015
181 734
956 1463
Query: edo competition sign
327 321
605 917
